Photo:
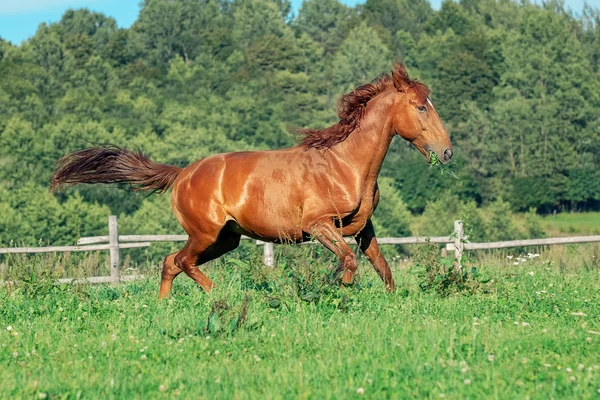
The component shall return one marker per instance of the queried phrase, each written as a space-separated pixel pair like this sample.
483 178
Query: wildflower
467 381
360 391
207 338
531 273
256 358
15 354
143 357
218 380
509 257
569 370
515 263
162 388
580 367
103 344
525 323
578 314
464 370
9 328
491 358
572 378
547 365
113 337
42 395
60 309
588 339
33 351
217 352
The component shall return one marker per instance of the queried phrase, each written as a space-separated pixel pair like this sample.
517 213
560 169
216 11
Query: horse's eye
422 108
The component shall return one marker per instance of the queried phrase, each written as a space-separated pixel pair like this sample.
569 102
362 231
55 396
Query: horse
324 188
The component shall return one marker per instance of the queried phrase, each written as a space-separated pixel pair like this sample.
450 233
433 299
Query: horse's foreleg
368 244
169 272
331 238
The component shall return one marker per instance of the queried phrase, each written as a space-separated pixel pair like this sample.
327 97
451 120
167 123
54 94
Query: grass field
585 223
532 331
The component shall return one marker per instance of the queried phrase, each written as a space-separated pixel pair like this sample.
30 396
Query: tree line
516 83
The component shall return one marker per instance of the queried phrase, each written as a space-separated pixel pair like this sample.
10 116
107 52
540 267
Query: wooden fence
456 242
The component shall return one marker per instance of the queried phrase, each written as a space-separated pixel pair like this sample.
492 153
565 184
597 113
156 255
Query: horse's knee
350 262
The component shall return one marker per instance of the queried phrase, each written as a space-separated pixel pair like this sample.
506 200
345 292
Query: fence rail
456 242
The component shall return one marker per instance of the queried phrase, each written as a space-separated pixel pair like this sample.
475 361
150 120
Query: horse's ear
400 77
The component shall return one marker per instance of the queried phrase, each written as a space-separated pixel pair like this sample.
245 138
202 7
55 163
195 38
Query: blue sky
19 18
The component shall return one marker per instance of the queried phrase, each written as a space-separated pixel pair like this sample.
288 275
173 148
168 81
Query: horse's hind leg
169 272
201 249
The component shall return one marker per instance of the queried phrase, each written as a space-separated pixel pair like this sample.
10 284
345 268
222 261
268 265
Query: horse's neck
365 149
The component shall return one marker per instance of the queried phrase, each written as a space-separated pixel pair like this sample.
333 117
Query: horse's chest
356 220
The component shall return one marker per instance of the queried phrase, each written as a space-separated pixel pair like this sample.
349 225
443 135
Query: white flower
569 370
217 352
509 257
525 323
15 354
530 273
256 358
162 388
467 381
143 357
491 358
9 328
42 395
580 367
360 391
515 263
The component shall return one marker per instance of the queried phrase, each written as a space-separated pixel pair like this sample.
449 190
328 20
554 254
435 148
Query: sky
19 19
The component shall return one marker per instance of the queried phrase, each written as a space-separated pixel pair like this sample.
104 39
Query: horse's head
415 118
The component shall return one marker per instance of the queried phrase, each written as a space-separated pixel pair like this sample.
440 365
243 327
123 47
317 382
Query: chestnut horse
324 188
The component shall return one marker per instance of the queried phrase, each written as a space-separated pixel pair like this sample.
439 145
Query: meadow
530 330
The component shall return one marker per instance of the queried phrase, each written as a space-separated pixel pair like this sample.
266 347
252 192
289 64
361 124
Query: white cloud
8 7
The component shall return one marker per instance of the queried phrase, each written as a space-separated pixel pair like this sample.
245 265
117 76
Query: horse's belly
263 229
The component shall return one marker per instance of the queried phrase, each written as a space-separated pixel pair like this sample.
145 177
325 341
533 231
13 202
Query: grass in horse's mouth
435 161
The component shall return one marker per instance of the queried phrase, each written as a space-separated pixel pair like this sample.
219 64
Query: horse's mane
351 107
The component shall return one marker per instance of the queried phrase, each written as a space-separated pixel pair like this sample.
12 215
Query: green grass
307 339
585 223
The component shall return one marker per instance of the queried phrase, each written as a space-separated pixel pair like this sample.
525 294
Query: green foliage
516 84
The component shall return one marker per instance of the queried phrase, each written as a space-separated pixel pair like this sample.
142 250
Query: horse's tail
113 164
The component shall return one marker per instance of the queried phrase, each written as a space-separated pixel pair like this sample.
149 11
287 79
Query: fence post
459 246
113 234
269 254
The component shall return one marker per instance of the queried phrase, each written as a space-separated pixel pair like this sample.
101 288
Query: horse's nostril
447 154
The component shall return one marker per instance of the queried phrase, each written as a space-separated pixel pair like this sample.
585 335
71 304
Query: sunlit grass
535 333
585 223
